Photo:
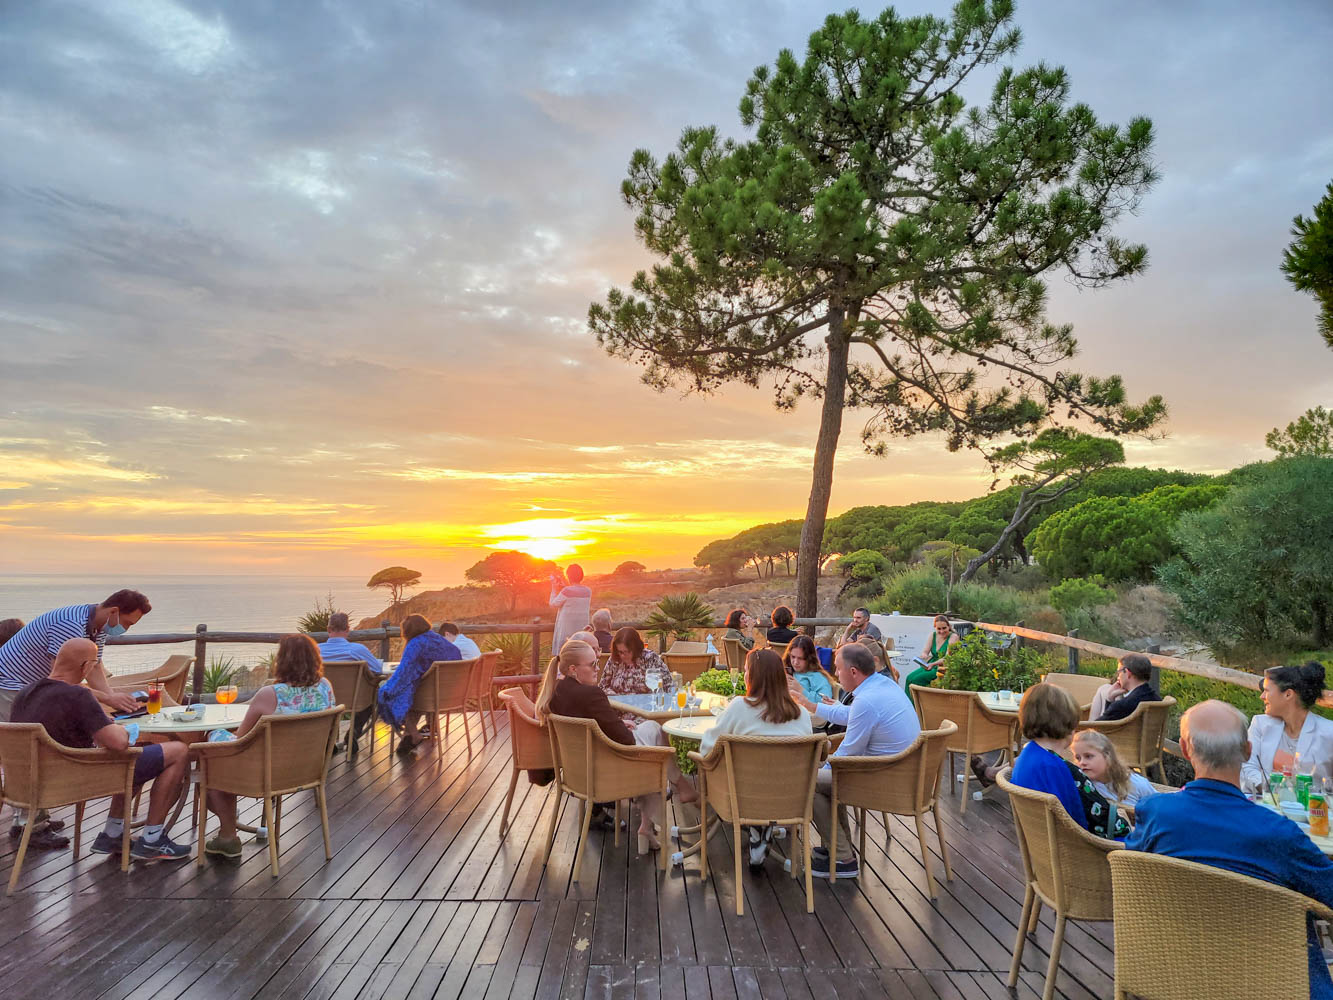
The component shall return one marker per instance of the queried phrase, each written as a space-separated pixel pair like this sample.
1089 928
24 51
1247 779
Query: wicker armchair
1194 932
979 729
355 685
1064 867
734 653
1082 686
172 676
905 784
281 755
688 647
592 768
1138 737
737 779
36 772
688 665
481 700
444 690
529 744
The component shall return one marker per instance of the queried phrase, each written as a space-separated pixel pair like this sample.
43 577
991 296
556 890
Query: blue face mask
116 629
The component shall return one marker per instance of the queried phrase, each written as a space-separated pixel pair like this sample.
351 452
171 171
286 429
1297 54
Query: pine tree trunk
821 485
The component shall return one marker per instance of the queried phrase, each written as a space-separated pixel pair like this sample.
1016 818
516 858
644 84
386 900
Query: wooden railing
1212 671
202 637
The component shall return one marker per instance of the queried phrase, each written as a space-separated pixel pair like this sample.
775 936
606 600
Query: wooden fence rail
201 637
1212 671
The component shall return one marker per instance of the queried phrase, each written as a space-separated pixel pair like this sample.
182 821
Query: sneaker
846 869
106 844
339 747
406 745
162 849
224 848
819 852
758 847
45 840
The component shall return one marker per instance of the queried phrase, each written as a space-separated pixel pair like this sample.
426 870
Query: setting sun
543 537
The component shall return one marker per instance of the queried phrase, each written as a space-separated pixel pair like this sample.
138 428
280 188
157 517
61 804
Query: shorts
150 764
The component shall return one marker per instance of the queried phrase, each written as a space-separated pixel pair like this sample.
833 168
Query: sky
299 288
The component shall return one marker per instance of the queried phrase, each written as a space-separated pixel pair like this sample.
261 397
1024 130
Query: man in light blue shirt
339 647
880 722
466 646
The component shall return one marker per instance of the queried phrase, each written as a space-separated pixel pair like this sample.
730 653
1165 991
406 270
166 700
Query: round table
692 727
641 705
993 701
214 717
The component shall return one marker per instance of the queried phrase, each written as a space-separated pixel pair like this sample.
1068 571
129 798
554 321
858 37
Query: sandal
979 769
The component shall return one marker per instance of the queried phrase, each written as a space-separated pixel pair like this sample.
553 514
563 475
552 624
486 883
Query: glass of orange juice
154 705
680 699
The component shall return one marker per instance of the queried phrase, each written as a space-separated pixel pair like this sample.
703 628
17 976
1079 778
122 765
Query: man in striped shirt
28 656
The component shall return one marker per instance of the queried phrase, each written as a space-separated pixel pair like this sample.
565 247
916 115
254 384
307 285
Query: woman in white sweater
767 709
1288 733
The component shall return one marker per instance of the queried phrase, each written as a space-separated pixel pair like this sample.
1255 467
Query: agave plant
678 615
219 673
318 619
515 650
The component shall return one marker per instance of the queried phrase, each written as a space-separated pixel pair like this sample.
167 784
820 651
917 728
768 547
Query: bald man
1212 822
73 717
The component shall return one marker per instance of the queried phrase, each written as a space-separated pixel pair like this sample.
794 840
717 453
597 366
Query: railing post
1018 640
536 634
1073 652
200 654
1155 678
384 642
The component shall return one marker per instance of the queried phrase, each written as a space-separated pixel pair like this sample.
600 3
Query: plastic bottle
1303 768
1318 806
711 648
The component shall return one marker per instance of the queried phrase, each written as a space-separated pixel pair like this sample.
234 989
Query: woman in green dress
931 661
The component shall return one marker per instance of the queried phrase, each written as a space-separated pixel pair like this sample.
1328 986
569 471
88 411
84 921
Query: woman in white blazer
1288 728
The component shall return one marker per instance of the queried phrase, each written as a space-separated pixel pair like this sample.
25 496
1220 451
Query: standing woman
931 658
740 626
574 603
1287 727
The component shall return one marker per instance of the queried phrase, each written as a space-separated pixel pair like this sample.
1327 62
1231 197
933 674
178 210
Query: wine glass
227 694
653 678
680 699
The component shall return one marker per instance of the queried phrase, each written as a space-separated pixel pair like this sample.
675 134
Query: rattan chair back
590 766
280 755
979 729
446 686
1138 737
688 647
354 683
688 665
1065 863
740 773
905 784
1194 932
1082 686
734 653
528 739
171 676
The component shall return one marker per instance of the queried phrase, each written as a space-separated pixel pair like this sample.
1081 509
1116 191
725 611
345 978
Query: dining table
646 706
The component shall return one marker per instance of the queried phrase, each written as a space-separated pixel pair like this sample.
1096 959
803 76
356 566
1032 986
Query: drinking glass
680 699
735 681
227 694
654 681
154 705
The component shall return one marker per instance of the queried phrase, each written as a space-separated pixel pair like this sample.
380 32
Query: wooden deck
423 899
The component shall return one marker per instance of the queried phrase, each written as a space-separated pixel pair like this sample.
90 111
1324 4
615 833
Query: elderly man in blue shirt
1210 821
337 647
880 721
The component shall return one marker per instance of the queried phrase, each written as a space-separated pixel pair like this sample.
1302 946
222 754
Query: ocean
232 603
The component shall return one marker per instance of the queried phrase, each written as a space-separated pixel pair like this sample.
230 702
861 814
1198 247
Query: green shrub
917 591
718 682
1078 593
678 615
973 665
980 602
219 672
318 619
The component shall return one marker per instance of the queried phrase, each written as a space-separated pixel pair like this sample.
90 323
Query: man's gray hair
858 657
338 622
601 619
861 611
1217 747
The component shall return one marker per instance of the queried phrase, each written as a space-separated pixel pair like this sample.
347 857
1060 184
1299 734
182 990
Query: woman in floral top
299 687
626 670
1048 715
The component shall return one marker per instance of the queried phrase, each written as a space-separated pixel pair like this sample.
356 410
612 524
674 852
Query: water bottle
711 648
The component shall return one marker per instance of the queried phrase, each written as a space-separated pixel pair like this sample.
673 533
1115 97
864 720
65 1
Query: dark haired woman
782 632
627 668
802 662
740 626
767 709
298 687
1288 728
396 695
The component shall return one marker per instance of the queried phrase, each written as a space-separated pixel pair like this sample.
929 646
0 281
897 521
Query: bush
1077 593
973 665
318 619
219 673
917 591
1045 619
980 602
678 615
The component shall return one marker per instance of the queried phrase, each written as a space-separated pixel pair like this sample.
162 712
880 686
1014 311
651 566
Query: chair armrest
1318 910
835 741
867 763
637 752
1109 725
95 755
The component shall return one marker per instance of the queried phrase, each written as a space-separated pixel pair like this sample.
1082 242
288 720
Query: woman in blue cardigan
396 695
